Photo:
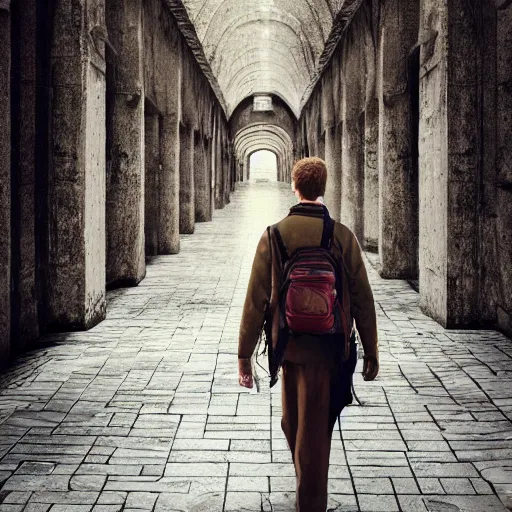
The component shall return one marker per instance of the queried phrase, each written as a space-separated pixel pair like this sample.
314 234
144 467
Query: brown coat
304 228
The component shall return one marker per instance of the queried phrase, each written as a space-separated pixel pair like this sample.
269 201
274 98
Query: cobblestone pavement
143 412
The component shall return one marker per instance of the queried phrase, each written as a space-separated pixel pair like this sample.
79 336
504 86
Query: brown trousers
308 426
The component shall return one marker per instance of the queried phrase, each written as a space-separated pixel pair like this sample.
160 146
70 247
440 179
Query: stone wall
96 86
412 115
339 123
5 183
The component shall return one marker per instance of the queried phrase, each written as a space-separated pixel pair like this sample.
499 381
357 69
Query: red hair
310 177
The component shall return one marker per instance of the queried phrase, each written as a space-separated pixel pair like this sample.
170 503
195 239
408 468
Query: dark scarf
308 209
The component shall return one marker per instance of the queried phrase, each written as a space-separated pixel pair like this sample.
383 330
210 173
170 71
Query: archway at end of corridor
263 165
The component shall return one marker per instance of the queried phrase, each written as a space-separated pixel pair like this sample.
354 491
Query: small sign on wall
262 103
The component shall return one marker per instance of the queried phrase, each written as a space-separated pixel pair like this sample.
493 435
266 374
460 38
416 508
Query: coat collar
308 210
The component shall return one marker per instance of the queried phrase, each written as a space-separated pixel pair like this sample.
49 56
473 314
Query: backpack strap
328 231
280 244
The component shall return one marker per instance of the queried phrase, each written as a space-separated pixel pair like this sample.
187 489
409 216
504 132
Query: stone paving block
148 484
248 483
112 498
87 482
449 469
243 502
335 502
65 497
381 471
481 486
37 483
141 500
239 469
153 470
430 486
211 502
37 507
109 469
405 486
378 503
196 469
465 503
374 486
71 508
412 503
284 456
461 486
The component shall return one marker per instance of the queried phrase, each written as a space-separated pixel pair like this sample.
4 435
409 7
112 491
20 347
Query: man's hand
245 373
370 368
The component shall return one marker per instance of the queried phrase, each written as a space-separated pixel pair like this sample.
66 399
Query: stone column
152 185
219 168
240 171
232 167
169 222
246 168
187 194
125 182
169 226
76 260
352 141
371 176
24 318
502 306
451 163
201 180
398 242
333 162
211 170
5 183
227 169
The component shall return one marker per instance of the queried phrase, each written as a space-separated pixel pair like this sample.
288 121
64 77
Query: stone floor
144 412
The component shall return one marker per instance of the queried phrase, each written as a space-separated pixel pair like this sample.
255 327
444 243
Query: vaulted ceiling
263 46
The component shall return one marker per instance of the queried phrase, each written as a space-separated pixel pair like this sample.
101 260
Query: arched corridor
133 191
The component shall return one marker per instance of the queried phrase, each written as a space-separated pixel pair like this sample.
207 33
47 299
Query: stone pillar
187 194
352 141
371 176
169 223
5 183
240 170
211 170
233 168
450 148
76 260
24 317
227 170
201 180
152 185
246 168
169 226
219 168
398 242
503 203
333 162
125 182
